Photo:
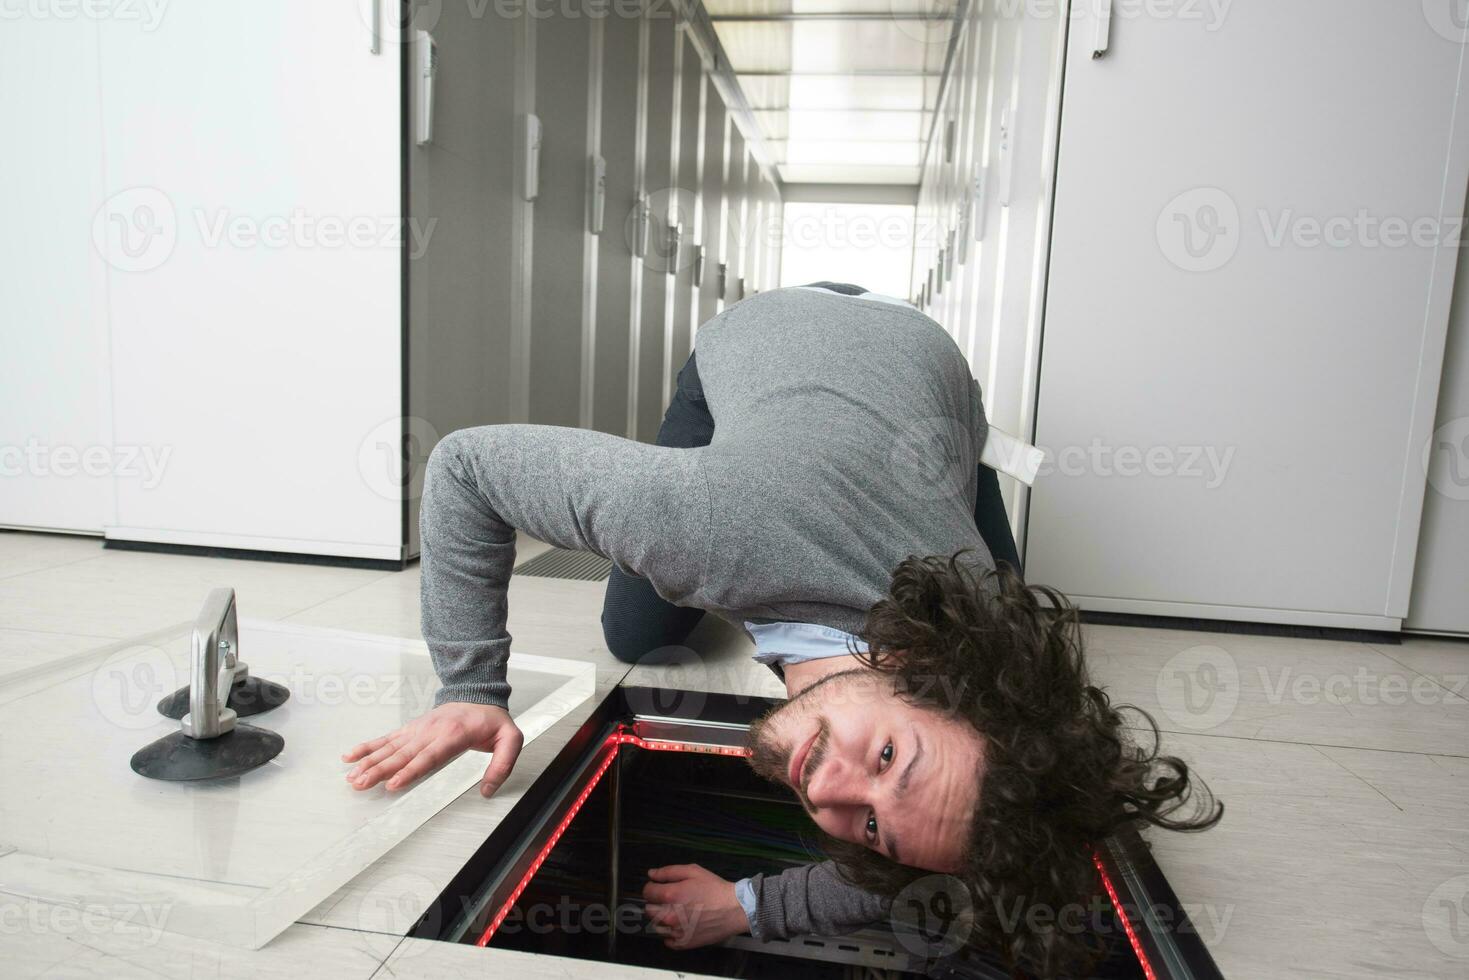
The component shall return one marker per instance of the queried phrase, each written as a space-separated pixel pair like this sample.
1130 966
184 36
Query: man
846 436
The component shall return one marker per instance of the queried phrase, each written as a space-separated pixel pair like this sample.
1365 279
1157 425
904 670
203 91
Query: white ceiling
843 90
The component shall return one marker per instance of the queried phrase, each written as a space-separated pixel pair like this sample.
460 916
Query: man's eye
887 755
872 827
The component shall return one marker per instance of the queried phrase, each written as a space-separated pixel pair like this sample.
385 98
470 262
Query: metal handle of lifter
213 662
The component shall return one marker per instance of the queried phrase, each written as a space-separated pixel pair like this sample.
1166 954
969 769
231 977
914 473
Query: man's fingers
656 893
387 747
389 764
429 758
506 749
367 748
673 872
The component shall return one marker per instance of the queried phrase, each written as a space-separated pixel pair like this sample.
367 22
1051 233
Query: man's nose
833 784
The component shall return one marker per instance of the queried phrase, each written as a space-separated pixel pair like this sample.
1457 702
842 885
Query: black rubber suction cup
178 757
248 696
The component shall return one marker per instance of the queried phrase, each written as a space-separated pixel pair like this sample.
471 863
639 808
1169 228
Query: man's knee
626 639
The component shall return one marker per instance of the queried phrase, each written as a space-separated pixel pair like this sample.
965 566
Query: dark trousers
636 619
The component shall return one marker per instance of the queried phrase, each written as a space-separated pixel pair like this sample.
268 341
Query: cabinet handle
375 25
1103 12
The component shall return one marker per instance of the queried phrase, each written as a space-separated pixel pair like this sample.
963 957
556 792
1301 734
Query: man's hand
690 906
427 742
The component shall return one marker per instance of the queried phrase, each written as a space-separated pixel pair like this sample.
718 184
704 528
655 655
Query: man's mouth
798 759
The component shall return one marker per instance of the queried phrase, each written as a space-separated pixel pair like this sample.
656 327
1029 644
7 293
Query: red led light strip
617 740
1137 946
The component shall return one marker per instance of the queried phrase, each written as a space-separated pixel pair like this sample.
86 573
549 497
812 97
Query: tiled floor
1344 767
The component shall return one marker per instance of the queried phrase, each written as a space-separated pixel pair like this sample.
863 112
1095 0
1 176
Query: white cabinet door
253 173
55 457
1247 299
1441 578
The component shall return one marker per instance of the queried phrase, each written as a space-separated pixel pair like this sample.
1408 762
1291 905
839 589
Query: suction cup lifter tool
247 695
211 743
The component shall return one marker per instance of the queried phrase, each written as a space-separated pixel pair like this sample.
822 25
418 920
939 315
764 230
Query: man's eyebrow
908 769
889 839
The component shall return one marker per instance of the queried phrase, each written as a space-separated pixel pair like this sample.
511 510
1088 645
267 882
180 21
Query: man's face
873 769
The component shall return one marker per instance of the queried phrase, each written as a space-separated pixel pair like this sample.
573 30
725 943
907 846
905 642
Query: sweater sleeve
645 508
813 899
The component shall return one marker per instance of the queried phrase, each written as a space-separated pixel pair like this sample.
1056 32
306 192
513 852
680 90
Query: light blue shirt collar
794 643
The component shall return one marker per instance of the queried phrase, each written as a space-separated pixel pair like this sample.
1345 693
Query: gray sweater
846 438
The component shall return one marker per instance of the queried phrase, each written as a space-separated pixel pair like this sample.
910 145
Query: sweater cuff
769 920
495 694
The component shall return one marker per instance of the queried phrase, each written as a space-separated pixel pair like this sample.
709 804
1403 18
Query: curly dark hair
1061 772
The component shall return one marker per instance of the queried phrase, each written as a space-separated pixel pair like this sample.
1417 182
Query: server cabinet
460 327
254 306
563 273
1246 312
734 227
619 271
684 209
1440 601
652 340
712 204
